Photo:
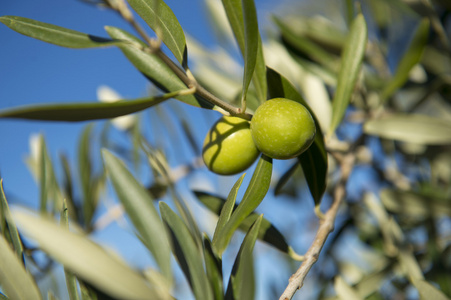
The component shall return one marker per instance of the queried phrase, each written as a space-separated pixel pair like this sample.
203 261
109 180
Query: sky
33 72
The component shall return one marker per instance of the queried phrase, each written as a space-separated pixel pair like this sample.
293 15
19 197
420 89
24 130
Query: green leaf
213 264
15 281
255 192
243 20
351 61
55 34
417 129
163 21
187 253
85 173
139 206
314 159
306 47
410 58
228 207
76 112
242 280
251 40
344 291
71 280
414 204
87 260
13 233
152 67
427 290
267 233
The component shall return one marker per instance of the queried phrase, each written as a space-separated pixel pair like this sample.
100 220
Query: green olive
228 147
282 128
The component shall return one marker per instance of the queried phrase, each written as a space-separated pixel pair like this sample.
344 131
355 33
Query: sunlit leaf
314 159
351 61
251 40
227 207
13 233
213 264
410 58
242 280
55 34
162 20
16 283
255 192
139 206
187 253
75 112
243 20
152 67
344 291
84 258
427 290
418 129
267 233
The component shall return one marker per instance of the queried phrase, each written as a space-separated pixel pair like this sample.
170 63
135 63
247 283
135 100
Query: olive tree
316 108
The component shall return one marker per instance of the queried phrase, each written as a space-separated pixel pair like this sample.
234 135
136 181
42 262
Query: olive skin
282 128
228 147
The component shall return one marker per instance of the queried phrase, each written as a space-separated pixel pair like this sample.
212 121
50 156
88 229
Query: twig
325 228
185 76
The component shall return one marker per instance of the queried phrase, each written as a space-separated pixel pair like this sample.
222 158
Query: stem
325 228
187 79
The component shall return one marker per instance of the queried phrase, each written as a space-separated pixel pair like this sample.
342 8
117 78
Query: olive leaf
55 34
159 16
255 192
351 61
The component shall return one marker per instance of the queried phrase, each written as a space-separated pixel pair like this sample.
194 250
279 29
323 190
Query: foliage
397 224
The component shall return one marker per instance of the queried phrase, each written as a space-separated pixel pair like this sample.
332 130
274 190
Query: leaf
71 280
16 283
351 61
414 204
162 20
251 40
243 20
314 159
242 280
55 34
306 47
410 58
84 258
267 233
213 264
139 206
344 291
153 68
427 290
255 192
228 207
417 129
13 233
76 112
187 253
85 174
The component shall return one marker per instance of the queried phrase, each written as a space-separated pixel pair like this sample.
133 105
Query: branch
154 48
325 228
